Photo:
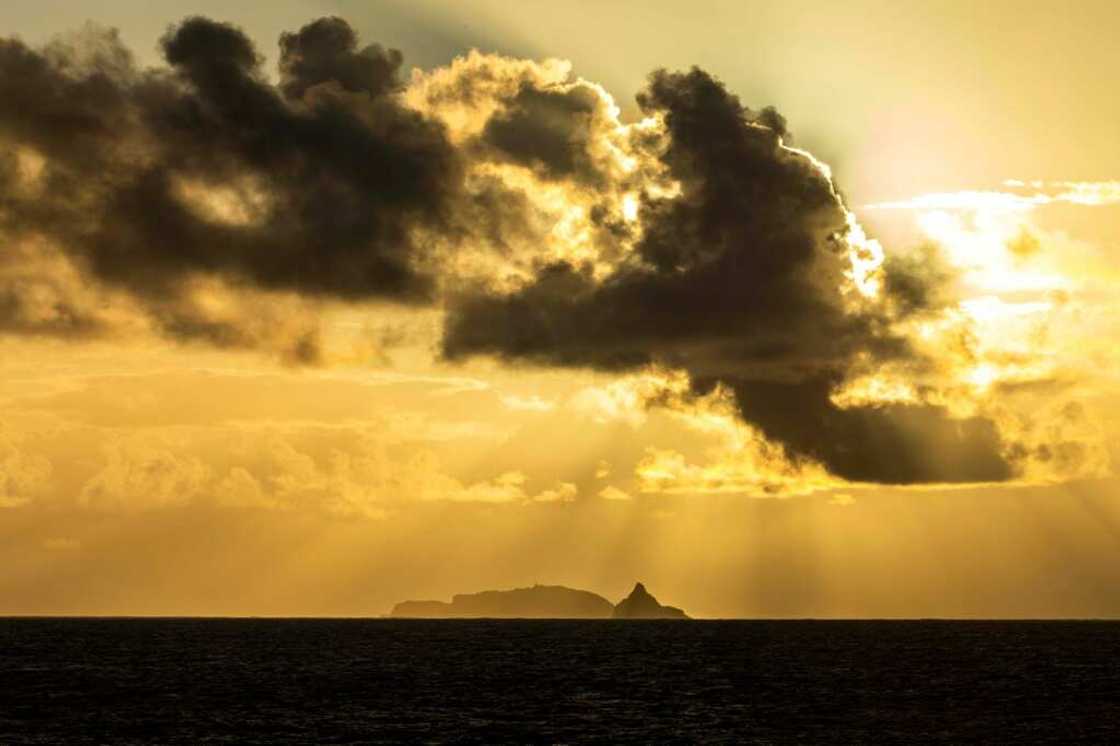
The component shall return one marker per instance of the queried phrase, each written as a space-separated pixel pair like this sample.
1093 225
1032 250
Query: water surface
193 681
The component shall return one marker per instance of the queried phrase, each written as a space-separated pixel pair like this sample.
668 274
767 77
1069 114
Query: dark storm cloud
740 284
731 278
72 117
347 178
893 443
336 171
548 130
326 51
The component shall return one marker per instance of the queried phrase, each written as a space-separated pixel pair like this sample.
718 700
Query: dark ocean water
194 681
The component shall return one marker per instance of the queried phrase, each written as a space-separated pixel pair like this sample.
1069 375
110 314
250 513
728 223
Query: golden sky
312 327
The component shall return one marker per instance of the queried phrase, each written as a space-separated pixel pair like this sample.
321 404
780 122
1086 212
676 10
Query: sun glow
981 246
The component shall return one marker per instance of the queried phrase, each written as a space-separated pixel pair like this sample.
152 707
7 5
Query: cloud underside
201 201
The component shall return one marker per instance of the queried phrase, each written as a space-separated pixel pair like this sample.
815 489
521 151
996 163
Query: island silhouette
539 602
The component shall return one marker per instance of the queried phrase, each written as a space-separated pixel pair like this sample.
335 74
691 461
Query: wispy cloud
1017 195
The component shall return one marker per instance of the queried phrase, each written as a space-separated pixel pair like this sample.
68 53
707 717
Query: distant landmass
539 602
641 605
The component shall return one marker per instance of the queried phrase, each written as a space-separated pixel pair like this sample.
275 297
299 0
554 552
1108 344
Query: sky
307 308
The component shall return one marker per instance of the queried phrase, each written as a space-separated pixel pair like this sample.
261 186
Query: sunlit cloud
610 492
1025 197
531 403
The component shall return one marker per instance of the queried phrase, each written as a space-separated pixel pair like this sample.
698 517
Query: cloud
326 51
349 471
745 277
130 188
610 492
549 131
531 403
150 181
43 293
1024 332
139 475
563 492
738 460
626 399
24 474
201 201
1021 195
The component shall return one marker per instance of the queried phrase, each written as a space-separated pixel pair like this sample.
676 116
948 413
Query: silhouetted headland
641 605
539 602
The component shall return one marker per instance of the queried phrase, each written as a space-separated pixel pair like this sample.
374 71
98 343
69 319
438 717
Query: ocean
333 681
